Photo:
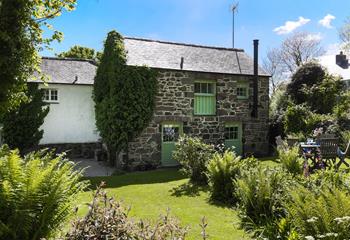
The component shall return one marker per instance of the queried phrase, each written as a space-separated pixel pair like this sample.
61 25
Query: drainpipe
255 80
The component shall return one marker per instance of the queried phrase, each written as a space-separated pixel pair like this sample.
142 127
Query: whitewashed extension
71 118
337 65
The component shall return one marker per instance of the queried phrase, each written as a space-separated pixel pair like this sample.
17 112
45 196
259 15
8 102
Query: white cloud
326 21
314 37
290 26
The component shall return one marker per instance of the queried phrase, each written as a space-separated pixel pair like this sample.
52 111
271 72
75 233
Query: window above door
204 98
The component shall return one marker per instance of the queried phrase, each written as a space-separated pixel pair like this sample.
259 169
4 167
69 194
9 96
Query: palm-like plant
36 193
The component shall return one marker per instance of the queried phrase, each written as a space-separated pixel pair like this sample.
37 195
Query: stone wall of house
75 150
175 103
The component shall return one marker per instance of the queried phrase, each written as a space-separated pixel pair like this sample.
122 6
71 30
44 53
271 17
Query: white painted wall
72 119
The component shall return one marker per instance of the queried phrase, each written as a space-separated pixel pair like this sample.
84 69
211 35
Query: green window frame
205 98
242 90
231 132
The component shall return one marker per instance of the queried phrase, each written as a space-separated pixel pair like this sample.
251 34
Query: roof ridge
185 44
70 59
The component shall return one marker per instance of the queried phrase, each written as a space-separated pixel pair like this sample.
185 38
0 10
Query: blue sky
207 22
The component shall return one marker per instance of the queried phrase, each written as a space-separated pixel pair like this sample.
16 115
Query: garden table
312 151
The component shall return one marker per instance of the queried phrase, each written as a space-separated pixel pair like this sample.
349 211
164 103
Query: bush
222 170
21 124
36 194
194 156
108 219
290 160
296 118
325 215
261 192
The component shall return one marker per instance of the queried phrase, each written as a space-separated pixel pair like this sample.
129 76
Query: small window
171 133
205 98
50 95
231 133
242 91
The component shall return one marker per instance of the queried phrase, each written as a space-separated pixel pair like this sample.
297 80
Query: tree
124 97
272 65
21 125
21 37
81 53
299 49
294 51
306 76
344 34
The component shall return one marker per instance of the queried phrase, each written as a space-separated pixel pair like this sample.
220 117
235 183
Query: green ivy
124 97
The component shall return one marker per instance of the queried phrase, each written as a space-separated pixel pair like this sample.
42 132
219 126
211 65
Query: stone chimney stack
341 60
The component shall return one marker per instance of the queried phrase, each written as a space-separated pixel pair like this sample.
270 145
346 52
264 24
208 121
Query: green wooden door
170 135
233 137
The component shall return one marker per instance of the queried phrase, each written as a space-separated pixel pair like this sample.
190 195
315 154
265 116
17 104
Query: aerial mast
234 9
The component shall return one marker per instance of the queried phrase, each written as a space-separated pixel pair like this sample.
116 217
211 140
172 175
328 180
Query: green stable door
170 135
233 137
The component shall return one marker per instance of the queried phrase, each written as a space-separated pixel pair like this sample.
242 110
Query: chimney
182 63
255 80
341 60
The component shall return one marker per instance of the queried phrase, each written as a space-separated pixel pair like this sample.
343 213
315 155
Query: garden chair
341 156
329 148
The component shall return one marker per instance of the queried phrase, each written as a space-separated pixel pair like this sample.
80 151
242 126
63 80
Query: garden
215 195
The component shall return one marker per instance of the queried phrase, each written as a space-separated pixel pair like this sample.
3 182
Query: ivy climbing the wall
124 97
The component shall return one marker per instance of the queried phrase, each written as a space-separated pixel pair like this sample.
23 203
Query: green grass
149 194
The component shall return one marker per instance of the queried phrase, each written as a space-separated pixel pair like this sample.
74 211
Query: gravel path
94 168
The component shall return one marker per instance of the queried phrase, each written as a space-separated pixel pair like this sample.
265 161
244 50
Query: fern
290 160
320 215
36 193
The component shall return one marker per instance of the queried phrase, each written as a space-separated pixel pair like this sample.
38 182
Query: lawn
150 193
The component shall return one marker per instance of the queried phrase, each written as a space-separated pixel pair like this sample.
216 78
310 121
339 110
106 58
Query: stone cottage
218 94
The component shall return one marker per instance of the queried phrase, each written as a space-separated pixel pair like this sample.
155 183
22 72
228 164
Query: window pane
46 94
197 87
242 92
54 95
204 87
235 133
227 134
210 88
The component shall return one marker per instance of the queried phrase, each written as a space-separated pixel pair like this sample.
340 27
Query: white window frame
50 90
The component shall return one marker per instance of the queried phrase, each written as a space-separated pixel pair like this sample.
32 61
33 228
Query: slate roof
155 54
65 70
167 55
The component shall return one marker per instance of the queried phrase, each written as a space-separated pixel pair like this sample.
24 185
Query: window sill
204 115
243 98
51 102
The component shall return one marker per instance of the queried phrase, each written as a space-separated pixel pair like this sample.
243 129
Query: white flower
309 238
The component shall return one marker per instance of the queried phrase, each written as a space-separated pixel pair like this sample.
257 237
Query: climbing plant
124 97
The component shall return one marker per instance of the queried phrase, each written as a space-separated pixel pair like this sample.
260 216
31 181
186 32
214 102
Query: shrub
325 215
290 160
21 124
296 118
222 170
36 194
193 154
108 219
261 192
